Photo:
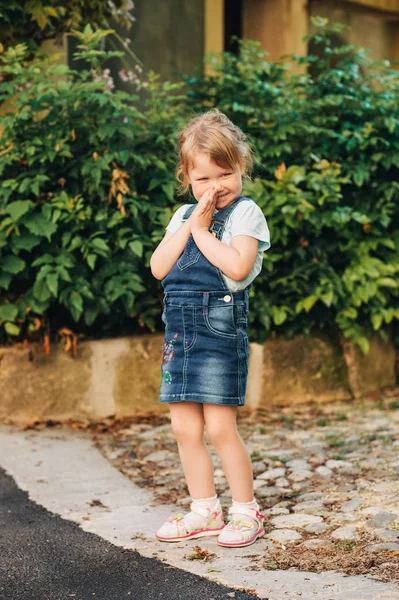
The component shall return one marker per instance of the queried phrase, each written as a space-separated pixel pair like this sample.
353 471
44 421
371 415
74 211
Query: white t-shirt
246 219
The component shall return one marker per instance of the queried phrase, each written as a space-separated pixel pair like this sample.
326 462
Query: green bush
86 179
88 187
327 181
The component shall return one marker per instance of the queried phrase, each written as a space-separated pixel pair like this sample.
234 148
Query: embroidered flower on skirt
168 354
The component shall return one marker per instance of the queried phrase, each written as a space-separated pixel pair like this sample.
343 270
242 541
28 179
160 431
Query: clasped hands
201 217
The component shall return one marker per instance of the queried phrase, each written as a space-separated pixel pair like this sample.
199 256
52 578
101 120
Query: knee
188 430
219 434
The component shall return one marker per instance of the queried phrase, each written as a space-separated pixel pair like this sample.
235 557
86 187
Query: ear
242 166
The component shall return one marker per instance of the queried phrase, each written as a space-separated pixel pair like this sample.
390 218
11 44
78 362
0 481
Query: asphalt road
44 557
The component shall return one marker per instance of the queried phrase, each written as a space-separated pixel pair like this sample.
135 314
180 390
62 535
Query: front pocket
190 255
221 320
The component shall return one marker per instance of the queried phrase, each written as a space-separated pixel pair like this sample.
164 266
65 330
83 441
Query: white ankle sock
194 520
252 504
206 502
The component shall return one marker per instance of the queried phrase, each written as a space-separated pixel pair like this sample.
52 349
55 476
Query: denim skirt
205 350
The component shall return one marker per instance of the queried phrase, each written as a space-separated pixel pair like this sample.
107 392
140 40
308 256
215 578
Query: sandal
239 532
177 528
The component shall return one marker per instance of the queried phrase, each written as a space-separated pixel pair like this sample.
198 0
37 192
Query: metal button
227 298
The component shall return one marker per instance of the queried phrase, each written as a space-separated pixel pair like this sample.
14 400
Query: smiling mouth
223 195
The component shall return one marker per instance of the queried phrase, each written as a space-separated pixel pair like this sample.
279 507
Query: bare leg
188 427
221 427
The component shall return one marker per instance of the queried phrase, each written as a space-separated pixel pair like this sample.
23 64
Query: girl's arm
168 251
235 261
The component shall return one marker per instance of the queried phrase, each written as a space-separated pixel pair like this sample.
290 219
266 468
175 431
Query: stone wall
121 376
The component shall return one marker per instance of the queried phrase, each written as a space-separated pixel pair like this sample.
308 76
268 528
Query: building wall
369 28
173 36
280 25
168 36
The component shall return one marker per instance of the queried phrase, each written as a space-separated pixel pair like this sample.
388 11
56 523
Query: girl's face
206 174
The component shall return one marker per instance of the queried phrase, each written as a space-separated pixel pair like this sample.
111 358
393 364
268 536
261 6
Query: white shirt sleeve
248 219
175 221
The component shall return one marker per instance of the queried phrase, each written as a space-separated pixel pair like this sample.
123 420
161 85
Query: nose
218 186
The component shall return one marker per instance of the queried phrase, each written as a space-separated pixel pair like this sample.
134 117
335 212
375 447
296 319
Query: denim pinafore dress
205 350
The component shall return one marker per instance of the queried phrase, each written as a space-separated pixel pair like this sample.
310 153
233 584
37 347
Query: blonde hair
212 133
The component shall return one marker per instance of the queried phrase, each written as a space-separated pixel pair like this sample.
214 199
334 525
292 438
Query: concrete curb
121 376
62 471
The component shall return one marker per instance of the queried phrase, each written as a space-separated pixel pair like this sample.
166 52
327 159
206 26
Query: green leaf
309 302
52 282
76 305
91 260
279 315
327 298
46 259
19 208
8 312
306 303
12 264
364 345
100 244
12 329
26 241
376 321
387 282
136 247
169 190
90 315
39 225
5 280
41 291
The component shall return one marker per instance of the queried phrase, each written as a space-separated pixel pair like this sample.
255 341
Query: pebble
346 533
386 535
300 475
378 547
152 432
158 456
351 505
387 486
283 535
338 465
310 496
298 464
382 519
272 474
316 528
258 483
341 518
278 511
316 544
371 511
146 447
311 507
268 491
297 520
282 482
258 467
324 472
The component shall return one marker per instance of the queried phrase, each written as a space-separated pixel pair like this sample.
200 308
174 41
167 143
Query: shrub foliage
88 187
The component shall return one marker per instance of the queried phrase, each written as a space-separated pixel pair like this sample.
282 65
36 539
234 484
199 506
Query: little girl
207 260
